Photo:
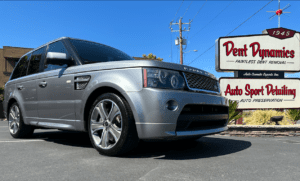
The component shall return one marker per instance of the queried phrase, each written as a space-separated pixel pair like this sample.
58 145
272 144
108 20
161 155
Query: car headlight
161 78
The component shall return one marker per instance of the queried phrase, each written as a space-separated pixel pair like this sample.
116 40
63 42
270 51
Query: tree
152 56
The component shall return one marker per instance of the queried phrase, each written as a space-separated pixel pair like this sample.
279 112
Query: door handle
43 84
20 87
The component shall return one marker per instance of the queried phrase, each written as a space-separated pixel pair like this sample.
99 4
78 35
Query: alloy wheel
14 119
106 124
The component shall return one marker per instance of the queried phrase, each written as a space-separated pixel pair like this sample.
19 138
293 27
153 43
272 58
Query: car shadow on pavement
204 147
69 138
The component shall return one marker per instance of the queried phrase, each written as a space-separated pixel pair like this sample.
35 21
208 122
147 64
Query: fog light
172 105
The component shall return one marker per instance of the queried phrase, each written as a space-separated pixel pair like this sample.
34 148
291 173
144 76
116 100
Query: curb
262 131
3 119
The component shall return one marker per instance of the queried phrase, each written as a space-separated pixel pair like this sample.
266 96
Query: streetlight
191 50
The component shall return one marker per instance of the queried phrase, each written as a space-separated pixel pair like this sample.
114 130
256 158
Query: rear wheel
16 125
111 125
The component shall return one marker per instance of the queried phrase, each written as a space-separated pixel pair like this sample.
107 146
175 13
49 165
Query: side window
52 64
35 61
21 68
24 71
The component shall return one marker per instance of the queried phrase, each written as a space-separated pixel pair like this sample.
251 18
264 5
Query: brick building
8 58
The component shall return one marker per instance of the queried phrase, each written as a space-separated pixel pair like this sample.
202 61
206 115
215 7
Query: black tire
128 138
17 127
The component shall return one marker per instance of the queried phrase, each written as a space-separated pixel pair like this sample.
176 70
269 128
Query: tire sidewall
16 135
125 123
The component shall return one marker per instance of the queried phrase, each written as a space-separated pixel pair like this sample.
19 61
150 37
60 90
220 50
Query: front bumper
155 121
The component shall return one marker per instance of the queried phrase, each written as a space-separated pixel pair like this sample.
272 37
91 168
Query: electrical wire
194 18
231 31
249 17
187 9
199 10
178 10
213 19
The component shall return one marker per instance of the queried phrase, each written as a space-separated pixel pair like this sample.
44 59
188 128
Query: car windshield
90 52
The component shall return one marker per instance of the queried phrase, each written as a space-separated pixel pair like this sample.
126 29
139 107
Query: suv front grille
196 81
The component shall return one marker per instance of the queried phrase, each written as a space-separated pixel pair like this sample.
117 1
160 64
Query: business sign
259 74
262 93
276 51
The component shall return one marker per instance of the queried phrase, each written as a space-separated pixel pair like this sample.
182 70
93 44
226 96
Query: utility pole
180 35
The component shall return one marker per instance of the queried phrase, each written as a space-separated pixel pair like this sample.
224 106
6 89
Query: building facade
9 56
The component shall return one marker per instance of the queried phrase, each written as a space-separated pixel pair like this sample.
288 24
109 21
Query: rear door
55 89
26 90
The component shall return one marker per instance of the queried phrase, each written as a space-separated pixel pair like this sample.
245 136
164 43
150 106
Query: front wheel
111 125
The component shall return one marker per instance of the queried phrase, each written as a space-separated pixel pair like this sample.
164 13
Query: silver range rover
72 84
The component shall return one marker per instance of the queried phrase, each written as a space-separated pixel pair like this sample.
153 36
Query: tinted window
90 52
35 60
52 64
21 67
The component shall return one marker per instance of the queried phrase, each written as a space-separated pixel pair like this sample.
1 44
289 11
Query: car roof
61 38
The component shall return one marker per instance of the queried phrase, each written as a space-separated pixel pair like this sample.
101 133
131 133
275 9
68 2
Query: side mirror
57 58
56 55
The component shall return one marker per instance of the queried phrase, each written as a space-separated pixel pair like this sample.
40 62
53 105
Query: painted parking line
20 141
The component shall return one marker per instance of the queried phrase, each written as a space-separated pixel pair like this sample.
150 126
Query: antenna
279 12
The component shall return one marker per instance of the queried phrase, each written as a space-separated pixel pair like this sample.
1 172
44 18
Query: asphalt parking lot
62 155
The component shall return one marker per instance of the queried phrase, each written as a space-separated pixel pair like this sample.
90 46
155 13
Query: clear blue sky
141 27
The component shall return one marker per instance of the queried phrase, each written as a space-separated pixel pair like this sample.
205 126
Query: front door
55 90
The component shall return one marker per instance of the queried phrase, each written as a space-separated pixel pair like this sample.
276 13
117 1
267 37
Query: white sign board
262 93
258 52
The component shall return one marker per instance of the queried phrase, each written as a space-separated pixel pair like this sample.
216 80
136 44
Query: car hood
134 64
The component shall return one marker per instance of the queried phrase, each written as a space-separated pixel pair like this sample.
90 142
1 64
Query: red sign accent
274 90
279 12
256 50
281 33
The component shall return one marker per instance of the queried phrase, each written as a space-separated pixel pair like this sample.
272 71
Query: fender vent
81 82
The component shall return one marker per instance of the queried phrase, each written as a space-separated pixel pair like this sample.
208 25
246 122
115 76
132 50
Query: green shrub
234 113
293 114
1 93
263 117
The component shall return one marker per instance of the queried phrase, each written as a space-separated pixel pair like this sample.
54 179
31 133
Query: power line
212 19
199 10
249 17
178 10
231 31
194 18
202 54
187 9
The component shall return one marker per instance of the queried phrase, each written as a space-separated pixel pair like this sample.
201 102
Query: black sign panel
259 74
